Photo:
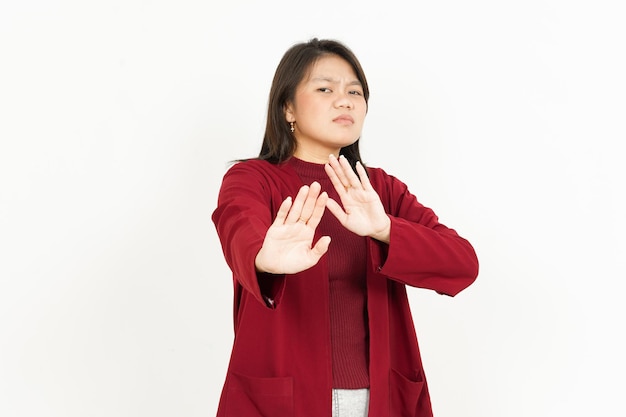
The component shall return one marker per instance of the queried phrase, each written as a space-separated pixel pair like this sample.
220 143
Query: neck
317 157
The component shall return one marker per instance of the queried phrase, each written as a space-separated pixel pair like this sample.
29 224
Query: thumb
336 210
321 247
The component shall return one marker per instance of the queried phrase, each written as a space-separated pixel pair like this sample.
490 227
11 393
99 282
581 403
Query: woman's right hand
288 245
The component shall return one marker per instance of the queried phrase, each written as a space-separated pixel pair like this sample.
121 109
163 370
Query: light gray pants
351 402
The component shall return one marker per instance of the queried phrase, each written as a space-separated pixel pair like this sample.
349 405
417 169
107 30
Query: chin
349 142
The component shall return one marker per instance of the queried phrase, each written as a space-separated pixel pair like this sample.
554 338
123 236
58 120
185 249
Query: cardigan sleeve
242 217
421 252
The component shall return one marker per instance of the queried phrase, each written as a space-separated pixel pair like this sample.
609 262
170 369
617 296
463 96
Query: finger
281 215
339 169
318 210
310 202
334 179
352 178
336 210
321 246
365 181
298 203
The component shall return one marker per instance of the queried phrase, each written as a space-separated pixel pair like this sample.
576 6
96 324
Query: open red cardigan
281 357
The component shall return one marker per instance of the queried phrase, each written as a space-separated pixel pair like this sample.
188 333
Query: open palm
288 246
363 212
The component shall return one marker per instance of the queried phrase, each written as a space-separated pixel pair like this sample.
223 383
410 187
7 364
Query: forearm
435 258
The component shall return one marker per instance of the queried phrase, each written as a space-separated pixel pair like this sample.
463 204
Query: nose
344 100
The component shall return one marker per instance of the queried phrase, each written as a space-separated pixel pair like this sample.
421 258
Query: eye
356 93
324 90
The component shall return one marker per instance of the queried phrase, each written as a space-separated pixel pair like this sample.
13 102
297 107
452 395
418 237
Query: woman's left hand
363 212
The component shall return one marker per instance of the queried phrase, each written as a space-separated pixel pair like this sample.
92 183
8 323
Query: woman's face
328 110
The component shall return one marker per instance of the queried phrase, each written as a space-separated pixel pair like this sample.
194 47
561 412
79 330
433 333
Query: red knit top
346 259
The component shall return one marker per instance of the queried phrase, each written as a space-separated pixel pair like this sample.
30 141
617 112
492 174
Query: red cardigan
281 357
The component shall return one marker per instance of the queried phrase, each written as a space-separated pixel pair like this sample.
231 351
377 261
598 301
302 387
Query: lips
344 119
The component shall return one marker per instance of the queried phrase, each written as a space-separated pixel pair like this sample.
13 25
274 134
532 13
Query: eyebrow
332 80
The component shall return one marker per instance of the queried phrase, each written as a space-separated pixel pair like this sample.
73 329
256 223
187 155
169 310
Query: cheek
311 112
306 104
362 113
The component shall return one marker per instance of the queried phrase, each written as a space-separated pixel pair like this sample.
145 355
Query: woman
321 316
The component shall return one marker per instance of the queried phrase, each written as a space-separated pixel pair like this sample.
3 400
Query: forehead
330 67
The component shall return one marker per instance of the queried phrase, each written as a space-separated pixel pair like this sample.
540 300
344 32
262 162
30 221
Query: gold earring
293 129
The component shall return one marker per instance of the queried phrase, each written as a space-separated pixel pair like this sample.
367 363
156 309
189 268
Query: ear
289 116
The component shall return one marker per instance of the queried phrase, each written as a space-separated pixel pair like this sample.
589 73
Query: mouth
344 120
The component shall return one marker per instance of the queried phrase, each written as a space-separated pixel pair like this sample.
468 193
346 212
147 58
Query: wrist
383 234
258 262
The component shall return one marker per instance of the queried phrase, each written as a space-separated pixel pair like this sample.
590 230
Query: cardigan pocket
259 397
403 394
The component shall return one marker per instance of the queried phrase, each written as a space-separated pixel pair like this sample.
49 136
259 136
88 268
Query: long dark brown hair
279 144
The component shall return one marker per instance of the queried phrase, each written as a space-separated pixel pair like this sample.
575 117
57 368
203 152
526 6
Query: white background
117 122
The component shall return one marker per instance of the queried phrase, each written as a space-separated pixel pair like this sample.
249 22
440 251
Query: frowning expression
328 110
